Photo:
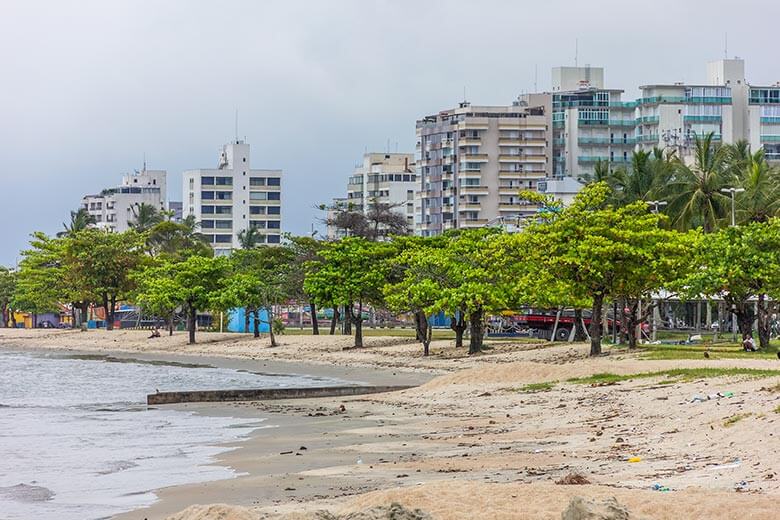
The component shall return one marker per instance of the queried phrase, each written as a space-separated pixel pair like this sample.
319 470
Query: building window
223 239
223 224
224 195
274 181
274 210
258 195
224 181
274 196
257 181
207 195
207 224
257 210
223 210
257 224
208 210
274 224
207 181
274 239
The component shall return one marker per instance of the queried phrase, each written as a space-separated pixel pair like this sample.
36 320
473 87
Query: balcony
469 141
477 157
473 222
474 190
606 141
770 138
606 122
647 120
526 174
647 138
703 119
694 100
771 120
469 206
587 159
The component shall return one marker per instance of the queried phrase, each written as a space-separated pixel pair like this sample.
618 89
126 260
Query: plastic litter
730 465
635 459
659 487
741 486
698 398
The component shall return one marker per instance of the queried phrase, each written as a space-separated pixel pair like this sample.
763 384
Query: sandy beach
475 440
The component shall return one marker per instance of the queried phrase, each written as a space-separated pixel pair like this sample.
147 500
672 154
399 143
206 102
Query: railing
647 138
771 120
770 138
606 122
647 120
595 158
703 119
607 140
654 100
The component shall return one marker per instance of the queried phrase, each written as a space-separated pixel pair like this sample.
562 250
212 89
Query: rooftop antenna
576 51
536 77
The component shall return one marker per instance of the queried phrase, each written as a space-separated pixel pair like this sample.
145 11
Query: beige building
115 209
384 178
472 161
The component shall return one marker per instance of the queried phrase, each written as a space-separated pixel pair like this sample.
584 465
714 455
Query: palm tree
761 199
601 173
694 192
79 221
250 238
146 216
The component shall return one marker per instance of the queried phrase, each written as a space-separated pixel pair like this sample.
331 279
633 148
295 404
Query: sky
88 89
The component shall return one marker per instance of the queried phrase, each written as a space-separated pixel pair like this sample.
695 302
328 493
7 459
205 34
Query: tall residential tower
233 197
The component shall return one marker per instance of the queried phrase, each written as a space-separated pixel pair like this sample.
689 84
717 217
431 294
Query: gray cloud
86 88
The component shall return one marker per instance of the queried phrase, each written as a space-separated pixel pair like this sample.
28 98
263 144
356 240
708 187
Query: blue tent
236 321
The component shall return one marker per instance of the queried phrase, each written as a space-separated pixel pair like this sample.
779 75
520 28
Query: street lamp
733 192
655 204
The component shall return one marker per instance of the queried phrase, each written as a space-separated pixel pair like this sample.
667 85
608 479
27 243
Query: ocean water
77 441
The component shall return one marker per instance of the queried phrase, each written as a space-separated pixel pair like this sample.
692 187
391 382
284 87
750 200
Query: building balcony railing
525 174
655 100
585 159
476 157
474 221
647 138
770 138
469 141
703 119
771 120
592 103
647 120
618 141
606 122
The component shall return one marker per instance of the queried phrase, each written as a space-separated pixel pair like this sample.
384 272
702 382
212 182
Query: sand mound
584 509
464 500
392 512
214 512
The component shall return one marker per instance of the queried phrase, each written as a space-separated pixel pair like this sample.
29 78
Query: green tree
145 217
249 238
761 199
41 276
594 250
101 263
194 283
305 255
79 221
738 264
352 273
7 293
177 240
694 192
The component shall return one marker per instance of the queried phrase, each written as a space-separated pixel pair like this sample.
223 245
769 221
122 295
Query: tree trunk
84 313
579 326
13 317
256 324
334 321
458 324
744 313
73 307
109 325
112 303
191 322
315 326
764 325
631 320
595 325
424 331
4 316
348 319
170 323
475 339
358 321
270 314
247 311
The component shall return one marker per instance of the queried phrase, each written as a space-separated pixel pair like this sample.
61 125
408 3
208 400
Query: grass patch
675 375
537 387
714 350
734 419
777 409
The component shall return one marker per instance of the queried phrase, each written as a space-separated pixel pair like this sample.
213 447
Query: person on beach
155 333
749 344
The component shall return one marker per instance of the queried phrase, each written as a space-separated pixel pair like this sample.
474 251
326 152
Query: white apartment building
234 197
386 178
472 162
726 105
113 208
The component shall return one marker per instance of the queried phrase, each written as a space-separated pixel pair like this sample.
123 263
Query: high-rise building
115 208
472 162
590 123
234 197
726 105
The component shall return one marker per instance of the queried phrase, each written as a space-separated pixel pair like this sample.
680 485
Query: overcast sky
88 88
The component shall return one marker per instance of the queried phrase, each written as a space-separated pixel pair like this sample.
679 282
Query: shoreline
490 436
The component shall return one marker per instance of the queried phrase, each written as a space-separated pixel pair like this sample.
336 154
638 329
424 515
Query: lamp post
733 192
655 204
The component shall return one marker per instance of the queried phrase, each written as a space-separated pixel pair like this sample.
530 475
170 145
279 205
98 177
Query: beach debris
583 509
360 460
741 486
729 465
302 448
634 459
286 452
572 479
659 487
